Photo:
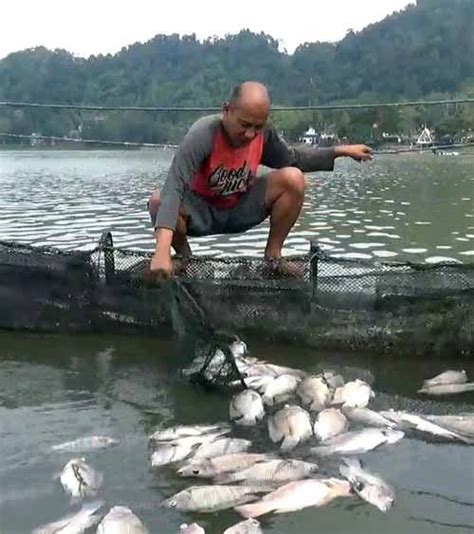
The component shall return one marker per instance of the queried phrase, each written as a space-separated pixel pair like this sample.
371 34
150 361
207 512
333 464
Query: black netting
396 308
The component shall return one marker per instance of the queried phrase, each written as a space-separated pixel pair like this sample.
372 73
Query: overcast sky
86 27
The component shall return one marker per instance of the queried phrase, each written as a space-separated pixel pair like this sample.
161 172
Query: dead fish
193 528
356 394
167 452
447 377
296 496
368 417
221 446
271 471
370 487
246 408
417 422
333 379
329 423
73 523
121 520
282 387
211 467
249 526
447 389
271 369
184 431
259 382
314 393
88 443
80 480
358 441
210 498
291 425
461 424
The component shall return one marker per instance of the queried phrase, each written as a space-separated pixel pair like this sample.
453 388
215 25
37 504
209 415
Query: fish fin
352 462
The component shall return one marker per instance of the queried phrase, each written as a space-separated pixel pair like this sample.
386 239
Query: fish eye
172 504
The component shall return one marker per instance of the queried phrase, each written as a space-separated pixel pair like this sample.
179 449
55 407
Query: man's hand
161 266
356 152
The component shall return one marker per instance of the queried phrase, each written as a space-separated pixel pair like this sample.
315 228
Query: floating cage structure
397 308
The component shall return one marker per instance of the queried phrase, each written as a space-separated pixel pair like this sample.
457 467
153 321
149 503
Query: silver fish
447 377
329 423
461 424
358 441
121 520
314 393
249 526
184 431
246 408
210 498
271 369
370 487
222 446
193 528
447 389
291 425
333 379
296 496
368 417
356 394
73 523
80 480
417 422
258 382
271 471
210 467
282 387
88 443
167 452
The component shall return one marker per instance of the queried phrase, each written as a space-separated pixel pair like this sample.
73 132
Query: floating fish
121 520
291 425
296 496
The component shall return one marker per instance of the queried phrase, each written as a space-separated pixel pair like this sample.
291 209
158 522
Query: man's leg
180 241
284 197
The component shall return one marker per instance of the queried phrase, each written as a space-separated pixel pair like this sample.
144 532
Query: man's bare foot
282 268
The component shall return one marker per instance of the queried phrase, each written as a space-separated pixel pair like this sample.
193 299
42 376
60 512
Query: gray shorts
205 219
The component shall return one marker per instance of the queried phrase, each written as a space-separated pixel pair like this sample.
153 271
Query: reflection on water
416 207
57 388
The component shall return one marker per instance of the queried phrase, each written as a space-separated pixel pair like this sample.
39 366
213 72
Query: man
212 186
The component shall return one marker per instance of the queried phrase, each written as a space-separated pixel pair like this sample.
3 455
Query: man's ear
226 108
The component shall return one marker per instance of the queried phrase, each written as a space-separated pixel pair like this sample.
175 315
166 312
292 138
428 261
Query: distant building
311 137
391 138
425 138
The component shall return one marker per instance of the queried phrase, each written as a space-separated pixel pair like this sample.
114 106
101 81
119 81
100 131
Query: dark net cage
386 307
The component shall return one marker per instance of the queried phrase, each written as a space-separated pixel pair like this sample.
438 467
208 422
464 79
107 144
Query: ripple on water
441 259
414 250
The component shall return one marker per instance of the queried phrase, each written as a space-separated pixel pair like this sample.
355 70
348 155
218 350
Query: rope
90 141
157 145
214 108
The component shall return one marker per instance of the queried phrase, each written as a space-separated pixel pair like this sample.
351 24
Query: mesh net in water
389 308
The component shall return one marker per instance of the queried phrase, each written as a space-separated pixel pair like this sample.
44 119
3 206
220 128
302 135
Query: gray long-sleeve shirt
208 165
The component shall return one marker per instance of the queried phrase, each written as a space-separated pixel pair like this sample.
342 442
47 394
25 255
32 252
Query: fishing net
392 308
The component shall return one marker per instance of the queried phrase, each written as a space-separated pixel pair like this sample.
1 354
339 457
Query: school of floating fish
308 416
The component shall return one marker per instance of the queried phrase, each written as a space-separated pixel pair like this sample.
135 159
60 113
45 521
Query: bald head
250 94
246 112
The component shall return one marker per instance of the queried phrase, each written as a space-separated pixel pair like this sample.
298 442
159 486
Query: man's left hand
356 152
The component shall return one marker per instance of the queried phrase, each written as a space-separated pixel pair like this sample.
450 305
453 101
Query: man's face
242 125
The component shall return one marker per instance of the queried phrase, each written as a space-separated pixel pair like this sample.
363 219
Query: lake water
418 207
55 388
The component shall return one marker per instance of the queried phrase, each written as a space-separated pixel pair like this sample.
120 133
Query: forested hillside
427 50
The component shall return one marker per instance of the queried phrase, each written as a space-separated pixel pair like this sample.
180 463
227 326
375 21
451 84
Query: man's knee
292 179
